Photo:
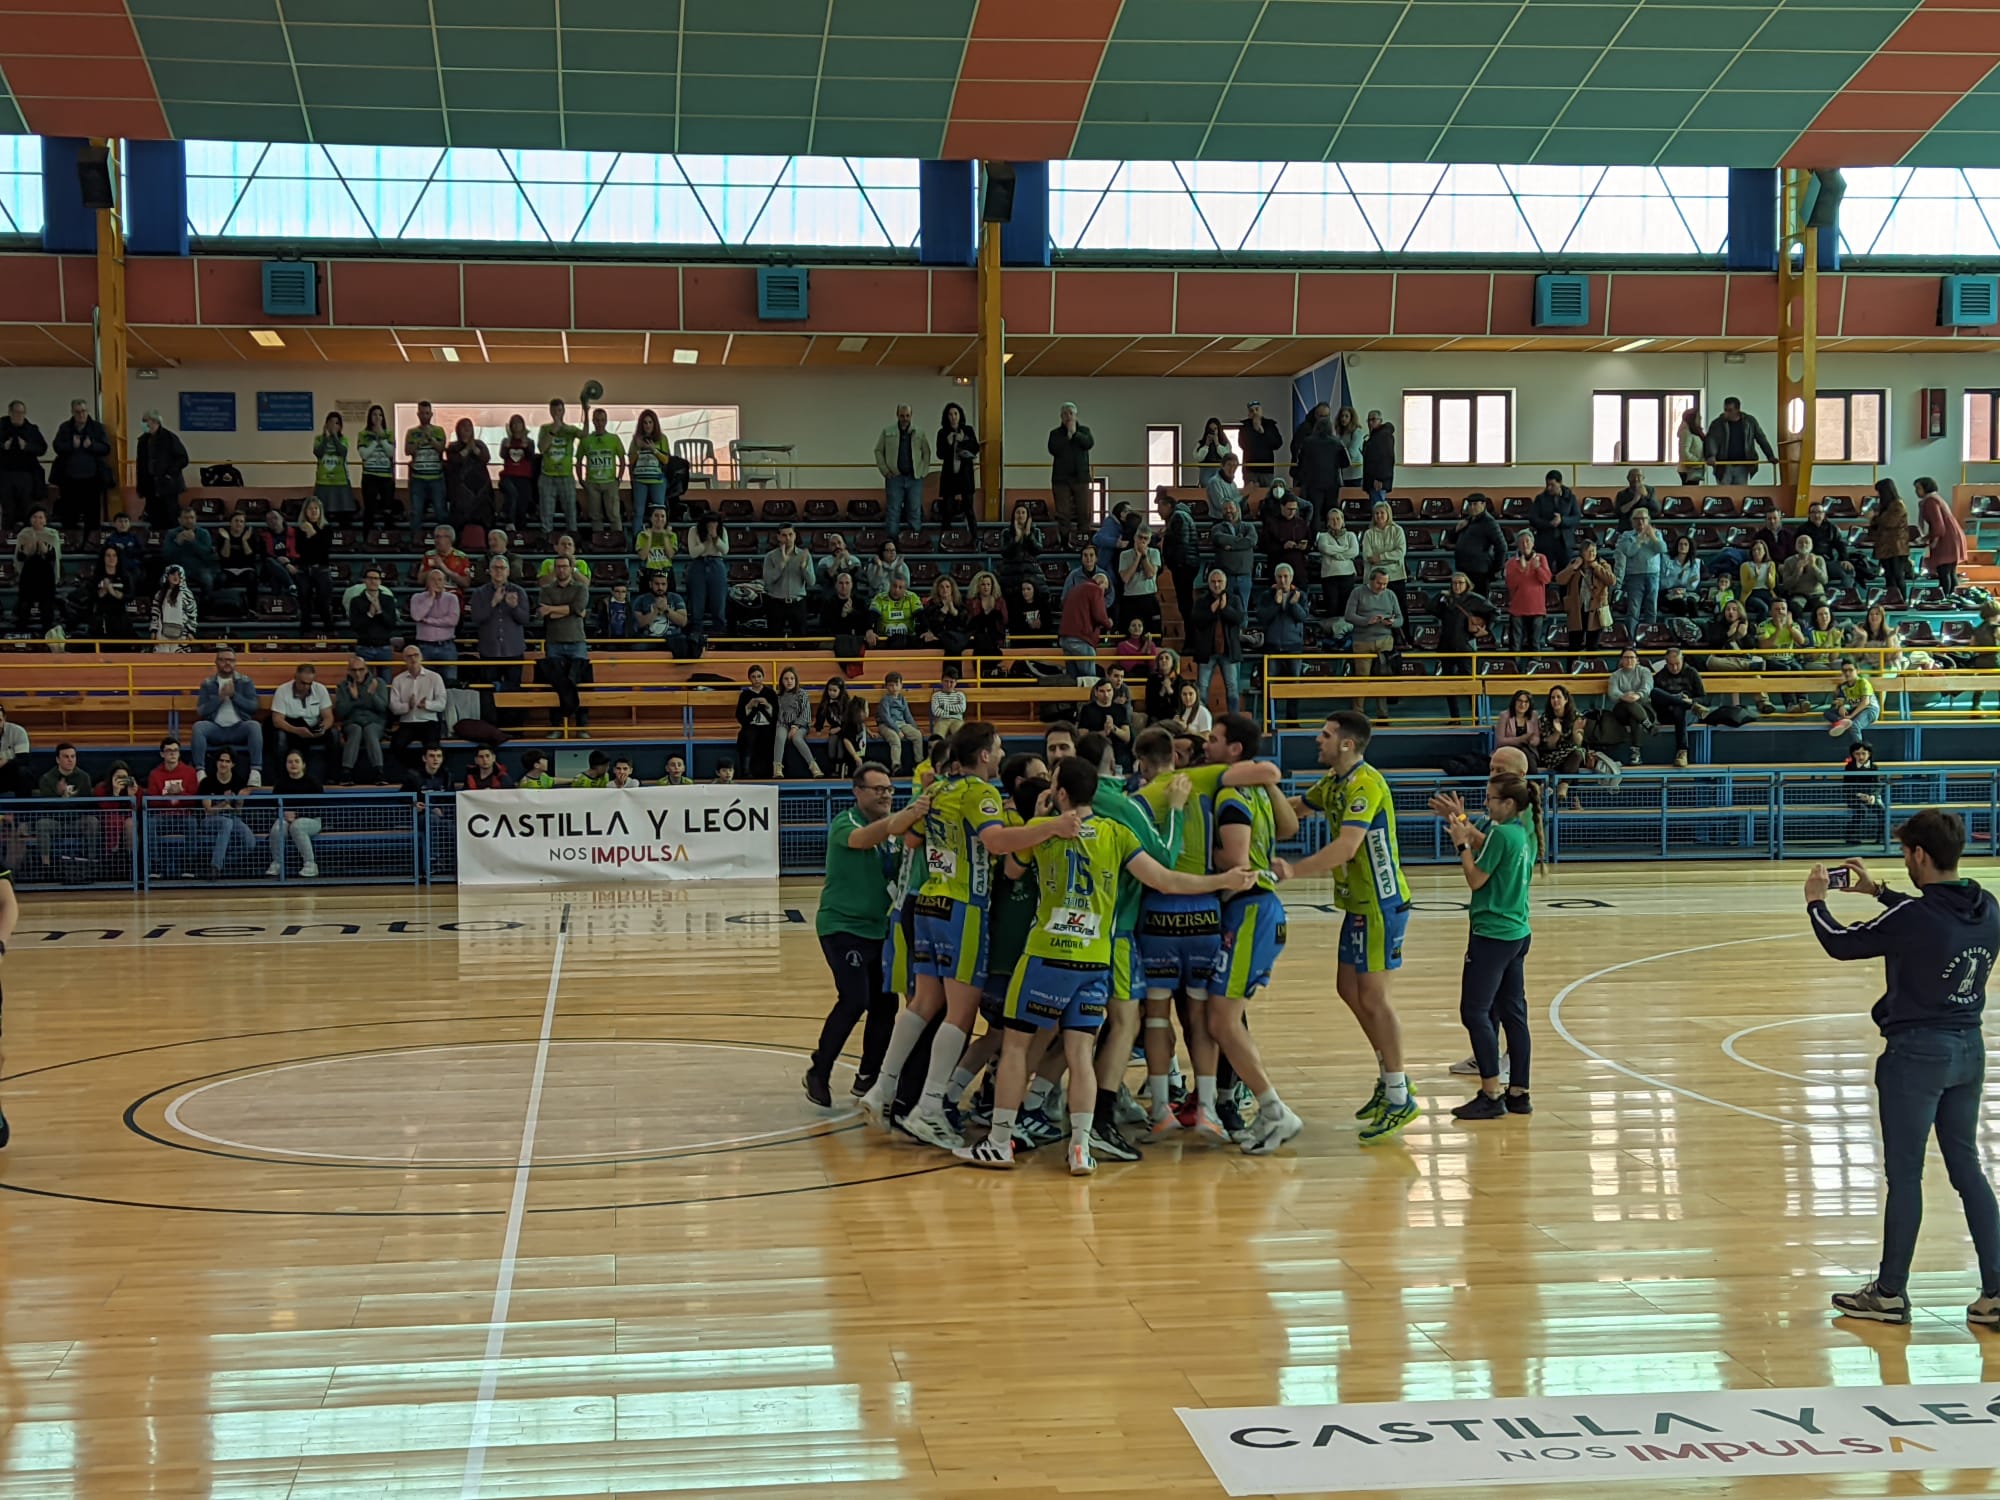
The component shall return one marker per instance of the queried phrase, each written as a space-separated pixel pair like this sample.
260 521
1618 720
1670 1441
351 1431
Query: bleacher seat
822 510
1718 505
1598 507
1986 505
1439 508
736 509
1401 508
1758 505
868 508
1434 570
1841 507
1678 507
780 510
1514 508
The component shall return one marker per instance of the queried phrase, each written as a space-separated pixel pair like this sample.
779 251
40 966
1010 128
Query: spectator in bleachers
1465 625
1680 577
160 467
657 546
1872 632
499 544
1189 711
1561 747
1139 580
499 613
1163 681
1780 641
896 610
1862 784
756 724
1215 639
564 547
331 484
725 773
1378 457
1757 580
226 714
1854 706
1641 551
517 474
831 716
617 619
1734 440
1210 450
468 480
302 716
897 724
1233 540
21 479
371 616
223 791
1636 495
1830 545
647 465
563 608
1985 637
130 544
1070 443
63 780
1942 538
556 488
1085 619
13 758
1519 727
175 616
986 618
1319 459
662 615
315 577
1826 636
1586 586
237 558
1677 694
1284 530
677 772
1628 699
120 822
844 616
1028 610
903 454
1802 579
1222 488
886 566
795 716
1282 618
38 567
1386 545
788 579
1180 547
1086 570
708 574
108 612
444 554
435 609
1137 646
1691 443
278 556
1478 545
379 507
189 547
1775 535
943 624
947 705
298 823
958 472
1259 442
1731 631
603 453
80 468
416 704
596 774
534 771
1323 412
1113 532
621 778
837 559
424 446
1103 714
1020 551
1554 517
427 776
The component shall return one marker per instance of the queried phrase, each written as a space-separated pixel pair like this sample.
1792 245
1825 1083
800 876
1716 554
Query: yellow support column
1798 339
111 342
992 370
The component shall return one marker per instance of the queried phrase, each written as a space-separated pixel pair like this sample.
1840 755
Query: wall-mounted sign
285 411
208 411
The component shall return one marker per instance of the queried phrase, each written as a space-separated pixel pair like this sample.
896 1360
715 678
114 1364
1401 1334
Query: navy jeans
1931 1079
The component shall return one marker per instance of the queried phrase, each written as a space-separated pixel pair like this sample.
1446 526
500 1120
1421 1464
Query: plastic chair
700 456
1439 508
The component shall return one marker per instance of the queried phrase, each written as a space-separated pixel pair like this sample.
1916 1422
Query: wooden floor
259 1233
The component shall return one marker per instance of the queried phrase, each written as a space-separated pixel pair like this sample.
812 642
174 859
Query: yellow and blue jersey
1078 880
956 864
1373 880
1197 843
1251 805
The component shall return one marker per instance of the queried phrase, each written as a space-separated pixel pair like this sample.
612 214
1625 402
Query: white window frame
1672 404
1439 401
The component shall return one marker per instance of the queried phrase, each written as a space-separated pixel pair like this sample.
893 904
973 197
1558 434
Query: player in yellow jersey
963 831
10 913
1371 891
1180 935
1064 980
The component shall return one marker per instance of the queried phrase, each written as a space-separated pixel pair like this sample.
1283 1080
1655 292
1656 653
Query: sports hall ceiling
1685 82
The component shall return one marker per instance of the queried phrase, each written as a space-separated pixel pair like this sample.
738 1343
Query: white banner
643 835
1292 1450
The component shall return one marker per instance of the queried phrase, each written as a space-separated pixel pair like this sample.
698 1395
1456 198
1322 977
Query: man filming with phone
1938 949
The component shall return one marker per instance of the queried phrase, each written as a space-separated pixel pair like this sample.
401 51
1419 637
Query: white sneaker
1272 1131
1130 1110
256 777
1081 1162
997 1156
876 1108
271 873
1470 1067
309 872
932 1129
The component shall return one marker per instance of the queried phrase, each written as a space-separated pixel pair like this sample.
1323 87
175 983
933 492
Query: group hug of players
1048 900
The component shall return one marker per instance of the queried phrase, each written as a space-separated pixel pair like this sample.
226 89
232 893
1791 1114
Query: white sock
1204 1093
1079 1125
1002 1132
1039 1091
945 1053
1268 1103
1396 1086
903 1041
961 1080
1156 1093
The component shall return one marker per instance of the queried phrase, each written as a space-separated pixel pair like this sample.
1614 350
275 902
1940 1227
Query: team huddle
1040 894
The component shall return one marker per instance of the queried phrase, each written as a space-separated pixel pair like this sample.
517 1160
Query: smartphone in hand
1840 878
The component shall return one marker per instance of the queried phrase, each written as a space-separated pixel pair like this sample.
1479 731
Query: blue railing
396 838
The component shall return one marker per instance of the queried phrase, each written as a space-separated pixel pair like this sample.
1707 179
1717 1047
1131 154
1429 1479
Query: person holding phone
1938 948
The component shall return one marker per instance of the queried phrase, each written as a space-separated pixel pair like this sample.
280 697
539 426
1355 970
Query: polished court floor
264 1230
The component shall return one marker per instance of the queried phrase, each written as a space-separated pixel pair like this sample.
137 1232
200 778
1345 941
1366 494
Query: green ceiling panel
874 138
744 55
498 47
1726 148
1388 106
213 10
540 14
1162 62
379 127
1792 29
1488 143
898 59
356 12
1147 103
1709 27
1769 111
1820 73
1569 25
536 93
639 132
1309 65
1438 66
10 115
613 93
1627 109
237 122
867 99
1450 21
1487 106
1660 68
1289 21
1554 67
506 130
1116 142
1187 20
226 83
769 17
1273 104
364 46
890 19
1267 143
706 94
1385 143
1612 148
1951 148
1978 111
393 89
633 20
708 136
214 41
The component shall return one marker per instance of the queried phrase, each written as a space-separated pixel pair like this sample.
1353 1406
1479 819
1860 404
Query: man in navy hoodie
1938 949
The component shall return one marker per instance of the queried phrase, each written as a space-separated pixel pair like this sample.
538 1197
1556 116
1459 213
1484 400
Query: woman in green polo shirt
1498 865
331 484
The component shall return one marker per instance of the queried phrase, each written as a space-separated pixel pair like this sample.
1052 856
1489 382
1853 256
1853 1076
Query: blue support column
1024 241
68 227
156 204
948 211
1753 219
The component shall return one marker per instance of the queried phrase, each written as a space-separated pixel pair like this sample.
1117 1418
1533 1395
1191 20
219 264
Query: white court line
503 1290
1729 1046
1556 1022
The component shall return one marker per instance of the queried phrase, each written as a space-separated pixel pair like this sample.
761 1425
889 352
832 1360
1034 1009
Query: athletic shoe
954 1118
1520 1104
1839 727
1230 1116
932 1129
1081 1162
1377 1101
863 1082
816 1089
1130 1110
995 1155
1206 1127
1166 1125
271 873
975 1113
1177 1088
309 872
1872 1305
6 1130
1392 1121
1109 1141
1036 1129
1481 1106
876 1108
1272 1130
1467 1069
1187 1111
1985 1312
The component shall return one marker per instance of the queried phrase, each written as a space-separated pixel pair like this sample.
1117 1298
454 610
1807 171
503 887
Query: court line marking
172 1113
510 1247
1563 1031
1824 1080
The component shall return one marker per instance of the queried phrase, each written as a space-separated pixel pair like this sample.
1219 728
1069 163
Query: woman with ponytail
1499 863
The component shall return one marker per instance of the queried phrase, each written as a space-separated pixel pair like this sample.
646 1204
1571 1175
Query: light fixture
853 345
1006 359
145 374
1247 346
686 356
268 337
448 354
1634 344
961 380
1735 357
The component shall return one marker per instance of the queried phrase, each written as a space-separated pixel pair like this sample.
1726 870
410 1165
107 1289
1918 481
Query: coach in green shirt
853 926
1498 865
603 466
